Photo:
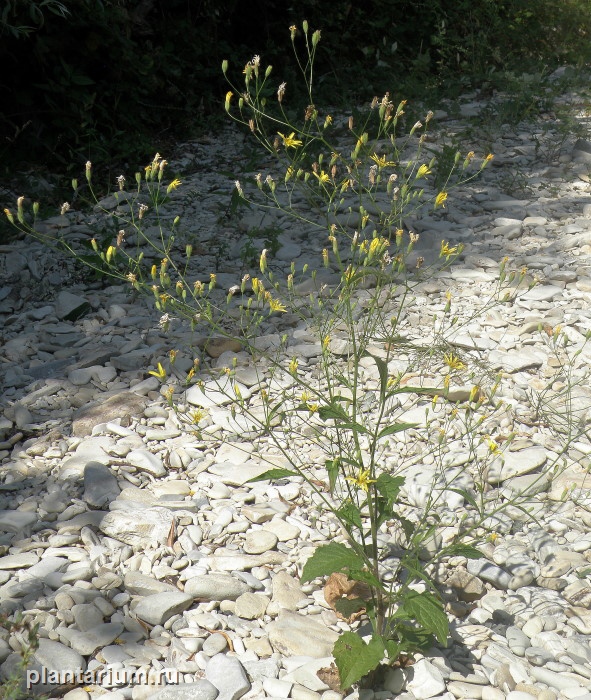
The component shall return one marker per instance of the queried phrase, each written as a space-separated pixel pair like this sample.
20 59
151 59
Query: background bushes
111 80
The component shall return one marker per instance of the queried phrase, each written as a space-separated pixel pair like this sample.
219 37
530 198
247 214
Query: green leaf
427 610
382 371
349 513
463 550
349 606
364 576
328 559
396 428
332 467
389 486
356 659
465 495
273 475
393 649
343 419
335 411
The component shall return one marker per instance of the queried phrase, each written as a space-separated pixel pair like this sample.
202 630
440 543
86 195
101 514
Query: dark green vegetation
113 81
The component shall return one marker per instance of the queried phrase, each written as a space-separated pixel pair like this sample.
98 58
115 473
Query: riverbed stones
120 515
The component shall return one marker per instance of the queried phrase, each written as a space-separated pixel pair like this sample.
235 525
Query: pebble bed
138 546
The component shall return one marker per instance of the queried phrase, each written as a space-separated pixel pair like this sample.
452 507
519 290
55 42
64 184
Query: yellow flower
160 373
290 141
453 361
362 479
488 158
276 305
423 171
173 185
441 199
323 177
446 250
381 161
293 366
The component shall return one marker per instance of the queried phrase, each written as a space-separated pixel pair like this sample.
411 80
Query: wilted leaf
330 676
339 589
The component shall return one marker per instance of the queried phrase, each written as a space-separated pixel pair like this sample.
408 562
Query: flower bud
224 67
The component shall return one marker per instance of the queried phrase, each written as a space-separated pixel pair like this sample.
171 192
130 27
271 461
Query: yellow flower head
447 250
381 161
290 141
441 199
173 185
362 479
453 361
160 373
423 171
322 176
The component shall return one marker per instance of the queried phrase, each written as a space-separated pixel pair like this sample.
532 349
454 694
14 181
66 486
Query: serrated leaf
396 428
328 559
273 475
349 512
389 486
426 609
355 659
463 550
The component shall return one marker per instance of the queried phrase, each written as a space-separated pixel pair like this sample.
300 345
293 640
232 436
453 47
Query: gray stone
200 690
227 674
158 608
300 635
140 529
217 393
215 587
18 561
88 641
100 485
16 521
147 462
70 307
50 655
516 463
259 541
124 405
140 584
251 606
287 591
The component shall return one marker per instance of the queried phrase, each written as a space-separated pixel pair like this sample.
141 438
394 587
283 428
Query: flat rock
515 464
125 405
156 609
300 635
200 690
215 587
227 674
141 529
100 485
